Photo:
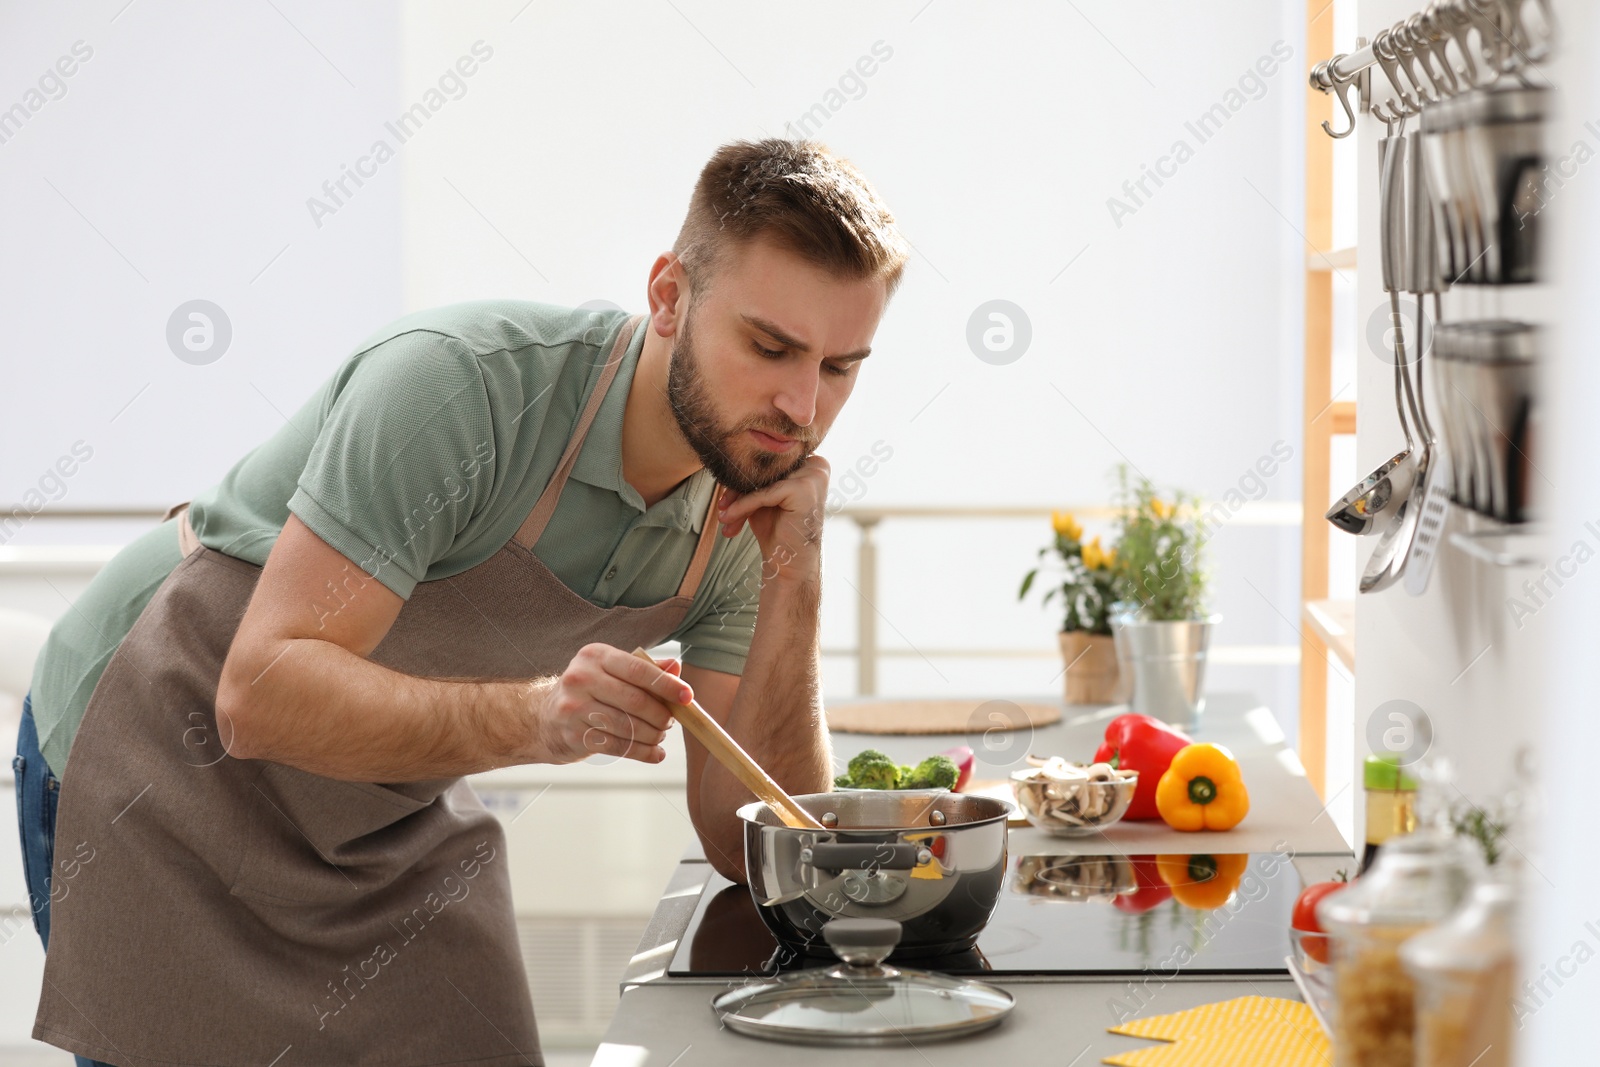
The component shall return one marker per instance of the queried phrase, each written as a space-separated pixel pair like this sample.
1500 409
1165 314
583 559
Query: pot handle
865 855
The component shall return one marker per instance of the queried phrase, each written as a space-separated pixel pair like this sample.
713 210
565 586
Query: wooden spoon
727 752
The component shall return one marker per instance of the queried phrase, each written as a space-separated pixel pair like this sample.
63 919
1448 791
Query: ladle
1373 502
1388 560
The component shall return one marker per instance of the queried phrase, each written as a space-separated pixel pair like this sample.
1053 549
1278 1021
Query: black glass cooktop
1174 916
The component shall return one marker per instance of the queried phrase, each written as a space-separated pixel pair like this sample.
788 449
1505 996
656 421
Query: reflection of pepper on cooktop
1193 914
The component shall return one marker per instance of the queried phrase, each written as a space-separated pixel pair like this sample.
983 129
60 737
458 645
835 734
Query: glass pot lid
861 1001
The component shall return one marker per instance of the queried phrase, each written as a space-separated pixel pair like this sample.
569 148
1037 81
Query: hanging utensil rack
1448 48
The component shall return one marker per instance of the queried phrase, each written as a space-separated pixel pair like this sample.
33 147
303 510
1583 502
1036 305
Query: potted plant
1161 628
1087 590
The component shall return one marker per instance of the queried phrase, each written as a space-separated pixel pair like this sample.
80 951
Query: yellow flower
1161 508
1066 525
1097 558
1092 554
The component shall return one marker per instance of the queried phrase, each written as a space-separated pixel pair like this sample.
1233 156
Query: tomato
1305 908
1304 917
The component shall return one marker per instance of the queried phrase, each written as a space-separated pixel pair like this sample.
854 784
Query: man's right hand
607 702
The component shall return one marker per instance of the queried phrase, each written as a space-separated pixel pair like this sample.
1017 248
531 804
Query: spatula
726 751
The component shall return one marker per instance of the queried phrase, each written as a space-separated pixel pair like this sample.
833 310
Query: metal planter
1165 663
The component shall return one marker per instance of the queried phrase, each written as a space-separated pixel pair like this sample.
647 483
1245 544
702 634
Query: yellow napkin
1244 1032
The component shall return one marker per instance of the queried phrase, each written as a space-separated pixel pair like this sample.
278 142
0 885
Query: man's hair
798 194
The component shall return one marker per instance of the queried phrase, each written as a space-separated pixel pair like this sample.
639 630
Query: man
266 847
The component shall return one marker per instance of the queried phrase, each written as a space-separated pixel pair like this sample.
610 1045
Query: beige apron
240 912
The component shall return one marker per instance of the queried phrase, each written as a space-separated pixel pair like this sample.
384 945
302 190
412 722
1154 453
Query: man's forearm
777 717
378 725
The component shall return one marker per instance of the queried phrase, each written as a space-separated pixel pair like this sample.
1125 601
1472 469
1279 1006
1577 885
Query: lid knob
862 942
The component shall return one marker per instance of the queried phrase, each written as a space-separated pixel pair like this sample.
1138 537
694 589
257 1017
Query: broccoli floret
863 759
935 772
843 782
902 777
871 769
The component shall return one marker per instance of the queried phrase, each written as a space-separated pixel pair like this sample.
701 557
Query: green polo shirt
420 458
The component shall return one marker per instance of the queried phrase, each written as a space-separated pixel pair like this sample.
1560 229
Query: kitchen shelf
1334 622
1332 259
1341 415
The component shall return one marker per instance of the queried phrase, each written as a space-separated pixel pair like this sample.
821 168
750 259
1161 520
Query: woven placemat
972 716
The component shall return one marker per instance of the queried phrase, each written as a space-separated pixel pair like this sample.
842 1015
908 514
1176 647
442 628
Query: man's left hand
786 518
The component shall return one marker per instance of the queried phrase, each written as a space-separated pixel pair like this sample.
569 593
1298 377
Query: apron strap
709 529
528 534
188 543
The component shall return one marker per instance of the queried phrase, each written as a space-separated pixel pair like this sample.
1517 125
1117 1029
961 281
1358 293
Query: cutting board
971 716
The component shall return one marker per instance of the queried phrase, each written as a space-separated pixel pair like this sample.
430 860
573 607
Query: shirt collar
599 461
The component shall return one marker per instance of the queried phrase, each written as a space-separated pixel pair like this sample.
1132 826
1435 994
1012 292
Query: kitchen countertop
1283 806
1058 1018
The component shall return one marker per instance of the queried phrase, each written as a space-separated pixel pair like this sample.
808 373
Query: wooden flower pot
1092 675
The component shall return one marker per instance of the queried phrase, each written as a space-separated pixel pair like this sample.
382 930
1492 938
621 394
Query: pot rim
1130 619
747 813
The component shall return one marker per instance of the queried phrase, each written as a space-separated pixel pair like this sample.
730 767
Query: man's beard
718 448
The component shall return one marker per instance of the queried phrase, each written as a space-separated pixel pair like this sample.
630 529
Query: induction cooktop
1173 915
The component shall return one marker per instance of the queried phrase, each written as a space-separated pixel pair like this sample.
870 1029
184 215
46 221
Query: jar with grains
1464 969
1417 881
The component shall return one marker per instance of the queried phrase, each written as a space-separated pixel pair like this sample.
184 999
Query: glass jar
1417 881
1464 970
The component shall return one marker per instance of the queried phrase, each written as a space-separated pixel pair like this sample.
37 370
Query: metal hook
1408 48
1490 16
1402 103
1529 48
1429 57
1458 23
1434 37
1324 76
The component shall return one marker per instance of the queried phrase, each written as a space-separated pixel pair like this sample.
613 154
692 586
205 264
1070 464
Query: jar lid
1384 774
1417 880
861 1001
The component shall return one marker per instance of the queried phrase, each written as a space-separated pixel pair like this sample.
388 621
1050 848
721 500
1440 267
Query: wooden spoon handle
726 751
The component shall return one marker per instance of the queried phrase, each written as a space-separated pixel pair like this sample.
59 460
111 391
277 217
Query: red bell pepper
1144 744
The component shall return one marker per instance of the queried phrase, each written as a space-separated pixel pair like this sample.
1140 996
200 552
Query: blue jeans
38 793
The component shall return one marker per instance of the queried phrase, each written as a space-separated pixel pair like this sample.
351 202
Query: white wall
1489 678
1563 908
174 166
996 133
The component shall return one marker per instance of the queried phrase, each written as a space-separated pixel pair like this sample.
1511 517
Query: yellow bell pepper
1202 882
1202 790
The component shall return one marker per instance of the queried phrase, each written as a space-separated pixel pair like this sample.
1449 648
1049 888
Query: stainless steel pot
933 861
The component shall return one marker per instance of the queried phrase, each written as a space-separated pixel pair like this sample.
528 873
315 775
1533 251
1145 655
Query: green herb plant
1159 566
